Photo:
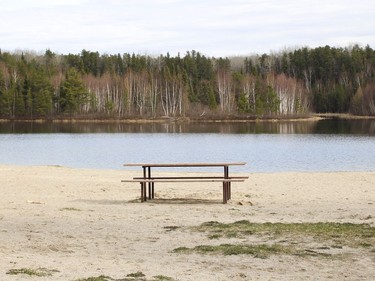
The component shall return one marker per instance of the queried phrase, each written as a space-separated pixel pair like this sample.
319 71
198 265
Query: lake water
266 147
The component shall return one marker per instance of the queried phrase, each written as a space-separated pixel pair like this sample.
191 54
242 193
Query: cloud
218 28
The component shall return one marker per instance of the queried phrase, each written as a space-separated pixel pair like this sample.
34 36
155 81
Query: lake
327 145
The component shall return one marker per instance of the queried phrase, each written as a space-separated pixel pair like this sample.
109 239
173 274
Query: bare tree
291 95
172 94
224 85
249 91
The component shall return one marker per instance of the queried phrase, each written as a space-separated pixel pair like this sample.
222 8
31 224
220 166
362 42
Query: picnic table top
214 164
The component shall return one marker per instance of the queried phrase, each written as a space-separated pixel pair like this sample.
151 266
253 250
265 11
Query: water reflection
327 126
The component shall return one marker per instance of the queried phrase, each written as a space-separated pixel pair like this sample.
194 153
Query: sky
211 27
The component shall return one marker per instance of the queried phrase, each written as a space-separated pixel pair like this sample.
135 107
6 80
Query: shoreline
253 119
81 223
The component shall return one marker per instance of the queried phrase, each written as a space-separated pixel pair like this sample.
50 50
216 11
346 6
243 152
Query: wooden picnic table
148 179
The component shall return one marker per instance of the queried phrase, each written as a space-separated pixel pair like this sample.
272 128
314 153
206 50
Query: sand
78 223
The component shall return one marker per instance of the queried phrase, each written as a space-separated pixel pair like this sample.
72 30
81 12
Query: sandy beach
74 224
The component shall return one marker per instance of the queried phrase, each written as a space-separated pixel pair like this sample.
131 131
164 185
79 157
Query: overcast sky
212 27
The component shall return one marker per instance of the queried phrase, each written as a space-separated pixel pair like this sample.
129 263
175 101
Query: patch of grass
300 239
162 278
99 278
214 236
136 276
261 251
365 245
258 251
181 250
39 272
309 252
171 227
355 235
70 209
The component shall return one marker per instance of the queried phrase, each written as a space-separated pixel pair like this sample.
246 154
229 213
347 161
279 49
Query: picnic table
149 180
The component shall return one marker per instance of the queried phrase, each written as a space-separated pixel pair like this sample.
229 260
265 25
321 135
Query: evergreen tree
5 97
41 93
73 94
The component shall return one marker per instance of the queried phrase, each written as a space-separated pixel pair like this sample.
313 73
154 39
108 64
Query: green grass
258 251
137 276
162 278
39 272
262 251
300 239
171 228
99 278
70 209
354 235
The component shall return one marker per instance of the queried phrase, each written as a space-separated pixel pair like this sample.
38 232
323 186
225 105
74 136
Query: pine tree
73 94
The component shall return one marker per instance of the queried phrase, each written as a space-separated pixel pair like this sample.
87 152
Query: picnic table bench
148 180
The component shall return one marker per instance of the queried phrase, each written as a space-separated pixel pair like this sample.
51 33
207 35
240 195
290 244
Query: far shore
230 119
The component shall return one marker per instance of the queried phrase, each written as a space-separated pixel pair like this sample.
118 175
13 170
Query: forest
92 85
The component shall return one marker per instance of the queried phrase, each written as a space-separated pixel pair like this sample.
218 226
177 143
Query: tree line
89 84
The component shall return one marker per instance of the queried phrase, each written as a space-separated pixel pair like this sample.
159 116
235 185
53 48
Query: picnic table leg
229 193
153 190
224 192
149 184
144 191
226 185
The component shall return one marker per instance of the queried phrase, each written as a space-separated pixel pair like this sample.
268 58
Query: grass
38 272
262 251
301 239
70 209
136 276
163 278
171 228
44 272
257 251
99 278
354 235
